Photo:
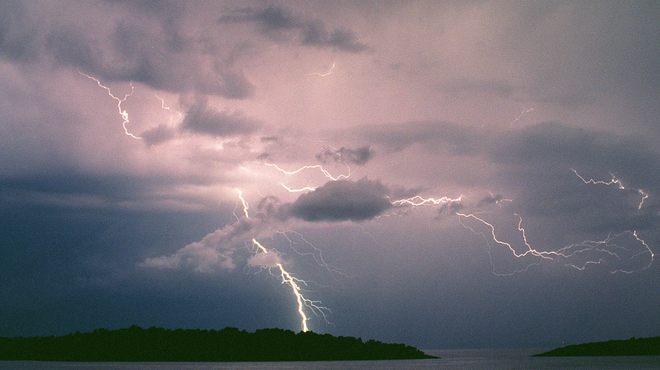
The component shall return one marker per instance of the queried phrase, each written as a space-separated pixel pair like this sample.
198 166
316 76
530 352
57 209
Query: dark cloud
342 200
84 208
547 147
358 156
150 44
17 34
314 34
263 156
552 144
159 134
277 22
491 199
202 119
71 47
450 208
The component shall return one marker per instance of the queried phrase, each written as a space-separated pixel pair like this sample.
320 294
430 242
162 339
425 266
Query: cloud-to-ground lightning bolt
286 277
122 112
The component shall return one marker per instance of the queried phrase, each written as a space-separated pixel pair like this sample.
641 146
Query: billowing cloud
265 259
215 250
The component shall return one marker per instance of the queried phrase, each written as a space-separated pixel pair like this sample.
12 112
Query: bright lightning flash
613 181
286 277
122 112
317 166
329 72
616 247
417 201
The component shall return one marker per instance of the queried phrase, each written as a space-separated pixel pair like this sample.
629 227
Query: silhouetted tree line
229 344
631 347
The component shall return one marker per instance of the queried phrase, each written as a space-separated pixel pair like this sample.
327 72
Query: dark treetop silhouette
630 347
229 344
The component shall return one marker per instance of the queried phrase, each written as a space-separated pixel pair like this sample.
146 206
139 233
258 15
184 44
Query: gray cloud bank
279 22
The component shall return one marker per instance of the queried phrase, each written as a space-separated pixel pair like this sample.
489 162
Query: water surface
509 359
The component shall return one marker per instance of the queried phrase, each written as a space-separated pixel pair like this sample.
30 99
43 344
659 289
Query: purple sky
479 173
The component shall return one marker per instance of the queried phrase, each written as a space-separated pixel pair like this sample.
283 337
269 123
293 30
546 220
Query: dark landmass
230 344
630 347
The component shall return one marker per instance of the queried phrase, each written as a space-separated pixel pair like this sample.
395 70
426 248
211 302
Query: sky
446 174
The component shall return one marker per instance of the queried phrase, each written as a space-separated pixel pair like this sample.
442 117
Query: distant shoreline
630 347
136 344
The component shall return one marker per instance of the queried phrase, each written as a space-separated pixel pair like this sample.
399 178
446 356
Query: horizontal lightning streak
290 190
606 247
614 181
317 166
417 201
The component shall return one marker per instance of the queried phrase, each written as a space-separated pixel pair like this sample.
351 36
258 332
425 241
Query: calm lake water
451 359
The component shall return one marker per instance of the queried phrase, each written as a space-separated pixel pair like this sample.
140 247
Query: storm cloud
204 120
277 22
390 154
358 156
343 200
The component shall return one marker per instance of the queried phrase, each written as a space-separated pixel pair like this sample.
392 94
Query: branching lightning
316 253
417 201
615 250
314 306
613 181
122 112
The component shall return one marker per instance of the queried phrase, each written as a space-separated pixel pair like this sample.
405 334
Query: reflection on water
500 359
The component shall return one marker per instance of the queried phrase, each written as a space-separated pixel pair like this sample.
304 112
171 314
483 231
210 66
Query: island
631 347
136 344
